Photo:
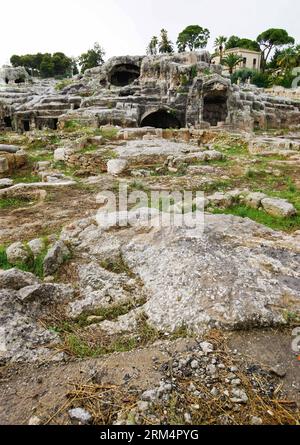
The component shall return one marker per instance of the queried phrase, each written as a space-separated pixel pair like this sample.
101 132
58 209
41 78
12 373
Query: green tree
152 47
271 39
16 61
237 42
47 66
261 80
62 65
165 45
231 61
192 37
92 58
219 45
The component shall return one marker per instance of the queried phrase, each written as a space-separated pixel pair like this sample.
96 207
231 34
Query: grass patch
25 177
108 133
8 203
276 223
63 84
118 266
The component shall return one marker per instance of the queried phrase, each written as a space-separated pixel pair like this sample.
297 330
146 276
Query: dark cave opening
122 75
161 119
26 125
215 109
20 80
7 122
53 123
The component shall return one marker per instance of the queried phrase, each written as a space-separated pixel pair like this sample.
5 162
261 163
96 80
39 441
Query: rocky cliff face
174 91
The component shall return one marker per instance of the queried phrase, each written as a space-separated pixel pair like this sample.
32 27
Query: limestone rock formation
180 90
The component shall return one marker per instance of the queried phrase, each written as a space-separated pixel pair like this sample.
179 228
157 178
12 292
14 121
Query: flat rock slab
9 148
221 278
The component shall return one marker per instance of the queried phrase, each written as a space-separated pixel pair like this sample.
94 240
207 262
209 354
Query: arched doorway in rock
215 108
161 119
124 74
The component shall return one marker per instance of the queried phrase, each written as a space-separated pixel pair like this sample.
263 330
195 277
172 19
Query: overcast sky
126 26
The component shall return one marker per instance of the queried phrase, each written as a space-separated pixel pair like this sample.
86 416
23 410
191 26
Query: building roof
244 50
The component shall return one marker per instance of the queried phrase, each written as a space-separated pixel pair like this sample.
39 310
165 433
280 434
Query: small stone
239 396
206 347
116 166
188 418
215 392
36 246
34 421
149 396
211 369
143 406
236 382
194 364
256 421
94 319
80 415
60 154
279 371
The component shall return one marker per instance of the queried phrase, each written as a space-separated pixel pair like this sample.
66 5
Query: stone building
166 91
251 59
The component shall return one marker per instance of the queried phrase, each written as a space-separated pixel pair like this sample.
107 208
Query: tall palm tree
219 45
231 61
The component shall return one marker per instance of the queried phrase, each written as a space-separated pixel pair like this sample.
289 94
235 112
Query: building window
254 64
245 62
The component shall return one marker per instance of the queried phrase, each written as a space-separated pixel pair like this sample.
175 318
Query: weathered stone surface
254 200
278 207
17 279
4 167
36 246
55 258
6 182
220 199
100 289
116 166
81 416
22 339
60 154
17 253
222 278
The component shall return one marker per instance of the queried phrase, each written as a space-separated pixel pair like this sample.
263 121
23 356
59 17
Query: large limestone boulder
17 279
17 253
278 207
55 258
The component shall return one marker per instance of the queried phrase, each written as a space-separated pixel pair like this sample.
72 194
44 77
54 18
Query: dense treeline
58 64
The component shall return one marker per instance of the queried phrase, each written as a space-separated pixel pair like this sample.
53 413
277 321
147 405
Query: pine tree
165 45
